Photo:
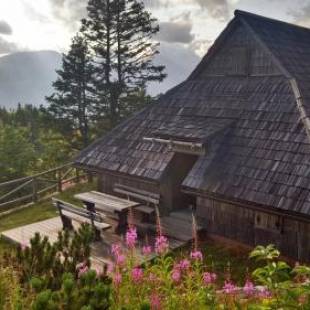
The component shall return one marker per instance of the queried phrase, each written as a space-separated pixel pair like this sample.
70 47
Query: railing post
90 177
77 175
59 181
34 190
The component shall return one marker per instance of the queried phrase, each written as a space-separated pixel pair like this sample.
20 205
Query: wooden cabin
233 139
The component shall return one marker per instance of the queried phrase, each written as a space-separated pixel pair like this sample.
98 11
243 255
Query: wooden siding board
236 222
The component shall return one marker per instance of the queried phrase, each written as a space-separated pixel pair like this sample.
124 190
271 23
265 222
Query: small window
268 222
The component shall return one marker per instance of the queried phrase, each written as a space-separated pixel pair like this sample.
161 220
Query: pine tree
72 102
120 36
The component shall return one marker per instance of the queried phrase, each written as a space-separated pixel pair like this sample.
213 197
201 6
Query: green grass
219 258
226 261
42 210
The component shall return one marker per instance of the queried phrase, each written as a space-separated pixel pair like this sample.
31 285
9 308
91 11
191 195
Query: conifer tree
72 102
120 34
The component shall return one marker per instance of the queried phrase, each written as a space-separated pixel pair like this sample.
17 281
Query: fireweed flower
131 237
161 244
147 250
117 279
110 268
115 249
209 278
152 277
196 255
155 302
137 274
176 275
263 292
184 264
249 288
120 259
229 287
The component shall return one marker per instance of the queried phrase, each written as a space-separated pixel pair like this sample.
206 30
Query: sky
191 25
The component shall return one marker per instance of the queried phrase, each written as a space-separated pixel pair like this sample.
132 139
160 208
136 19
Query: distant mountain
26 77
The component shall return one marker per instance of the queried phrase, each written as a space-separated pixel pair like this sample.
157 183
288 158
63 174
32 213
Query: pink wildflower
263 292
176 275
120 259
110 268
161 244
147 250
152 277
249 288
155 302
137 274
229 287
209 277
115 249
196 255
184 264
131 237
117 279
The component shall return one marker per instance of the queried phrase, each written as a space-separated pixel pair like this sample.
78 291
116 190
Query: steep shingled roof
260 152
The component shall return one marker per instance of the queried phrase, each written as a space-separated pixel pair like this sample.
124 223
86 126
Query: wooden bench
139 194
113 207
69 212
149 199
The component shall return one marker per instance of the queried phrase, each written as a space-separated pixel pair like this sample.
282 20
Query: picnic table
96 201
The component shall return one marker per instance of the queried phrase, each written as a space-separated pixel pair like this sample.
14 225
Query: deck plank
177 227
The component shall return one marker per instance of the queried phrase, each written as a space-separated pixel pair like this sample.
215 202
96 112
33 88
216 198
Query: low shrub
59 276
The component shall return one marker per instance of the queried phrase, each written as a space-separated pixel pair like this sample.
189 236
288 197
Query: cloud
301 16
7 47
200 47
218 9
33 13
69 12
152 3
5 28
176 32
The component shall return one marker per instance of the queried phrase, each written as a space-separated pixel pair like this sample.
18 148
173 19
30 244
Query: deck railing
35 187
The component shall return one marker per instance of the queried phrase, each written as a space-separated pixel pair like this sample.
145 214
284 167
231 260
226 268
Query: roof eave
248 204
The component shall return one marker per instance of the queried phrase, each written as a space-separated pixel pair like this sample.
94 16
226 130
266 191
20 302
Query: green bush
59 276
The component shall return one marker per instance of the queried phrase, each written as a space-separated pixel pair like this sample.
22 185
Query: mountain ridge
27 77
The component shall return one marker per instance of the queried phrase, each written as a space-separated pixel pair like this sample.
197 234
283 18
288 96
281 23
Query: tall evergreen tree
72 102
120 36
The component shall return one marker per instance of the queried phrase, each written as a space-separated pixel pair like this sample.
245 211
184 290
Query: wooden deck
177 227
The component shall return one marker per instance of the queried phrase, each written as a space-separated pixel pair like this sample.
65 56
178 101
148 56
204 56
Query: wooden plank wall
106 183
253 227
170 186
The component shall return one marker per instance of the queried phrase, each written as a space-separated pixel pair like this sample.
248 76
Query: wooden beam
180 146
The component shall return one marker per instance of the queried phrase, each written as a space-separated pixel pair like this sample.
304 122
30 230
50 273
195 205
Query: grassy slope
40 211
